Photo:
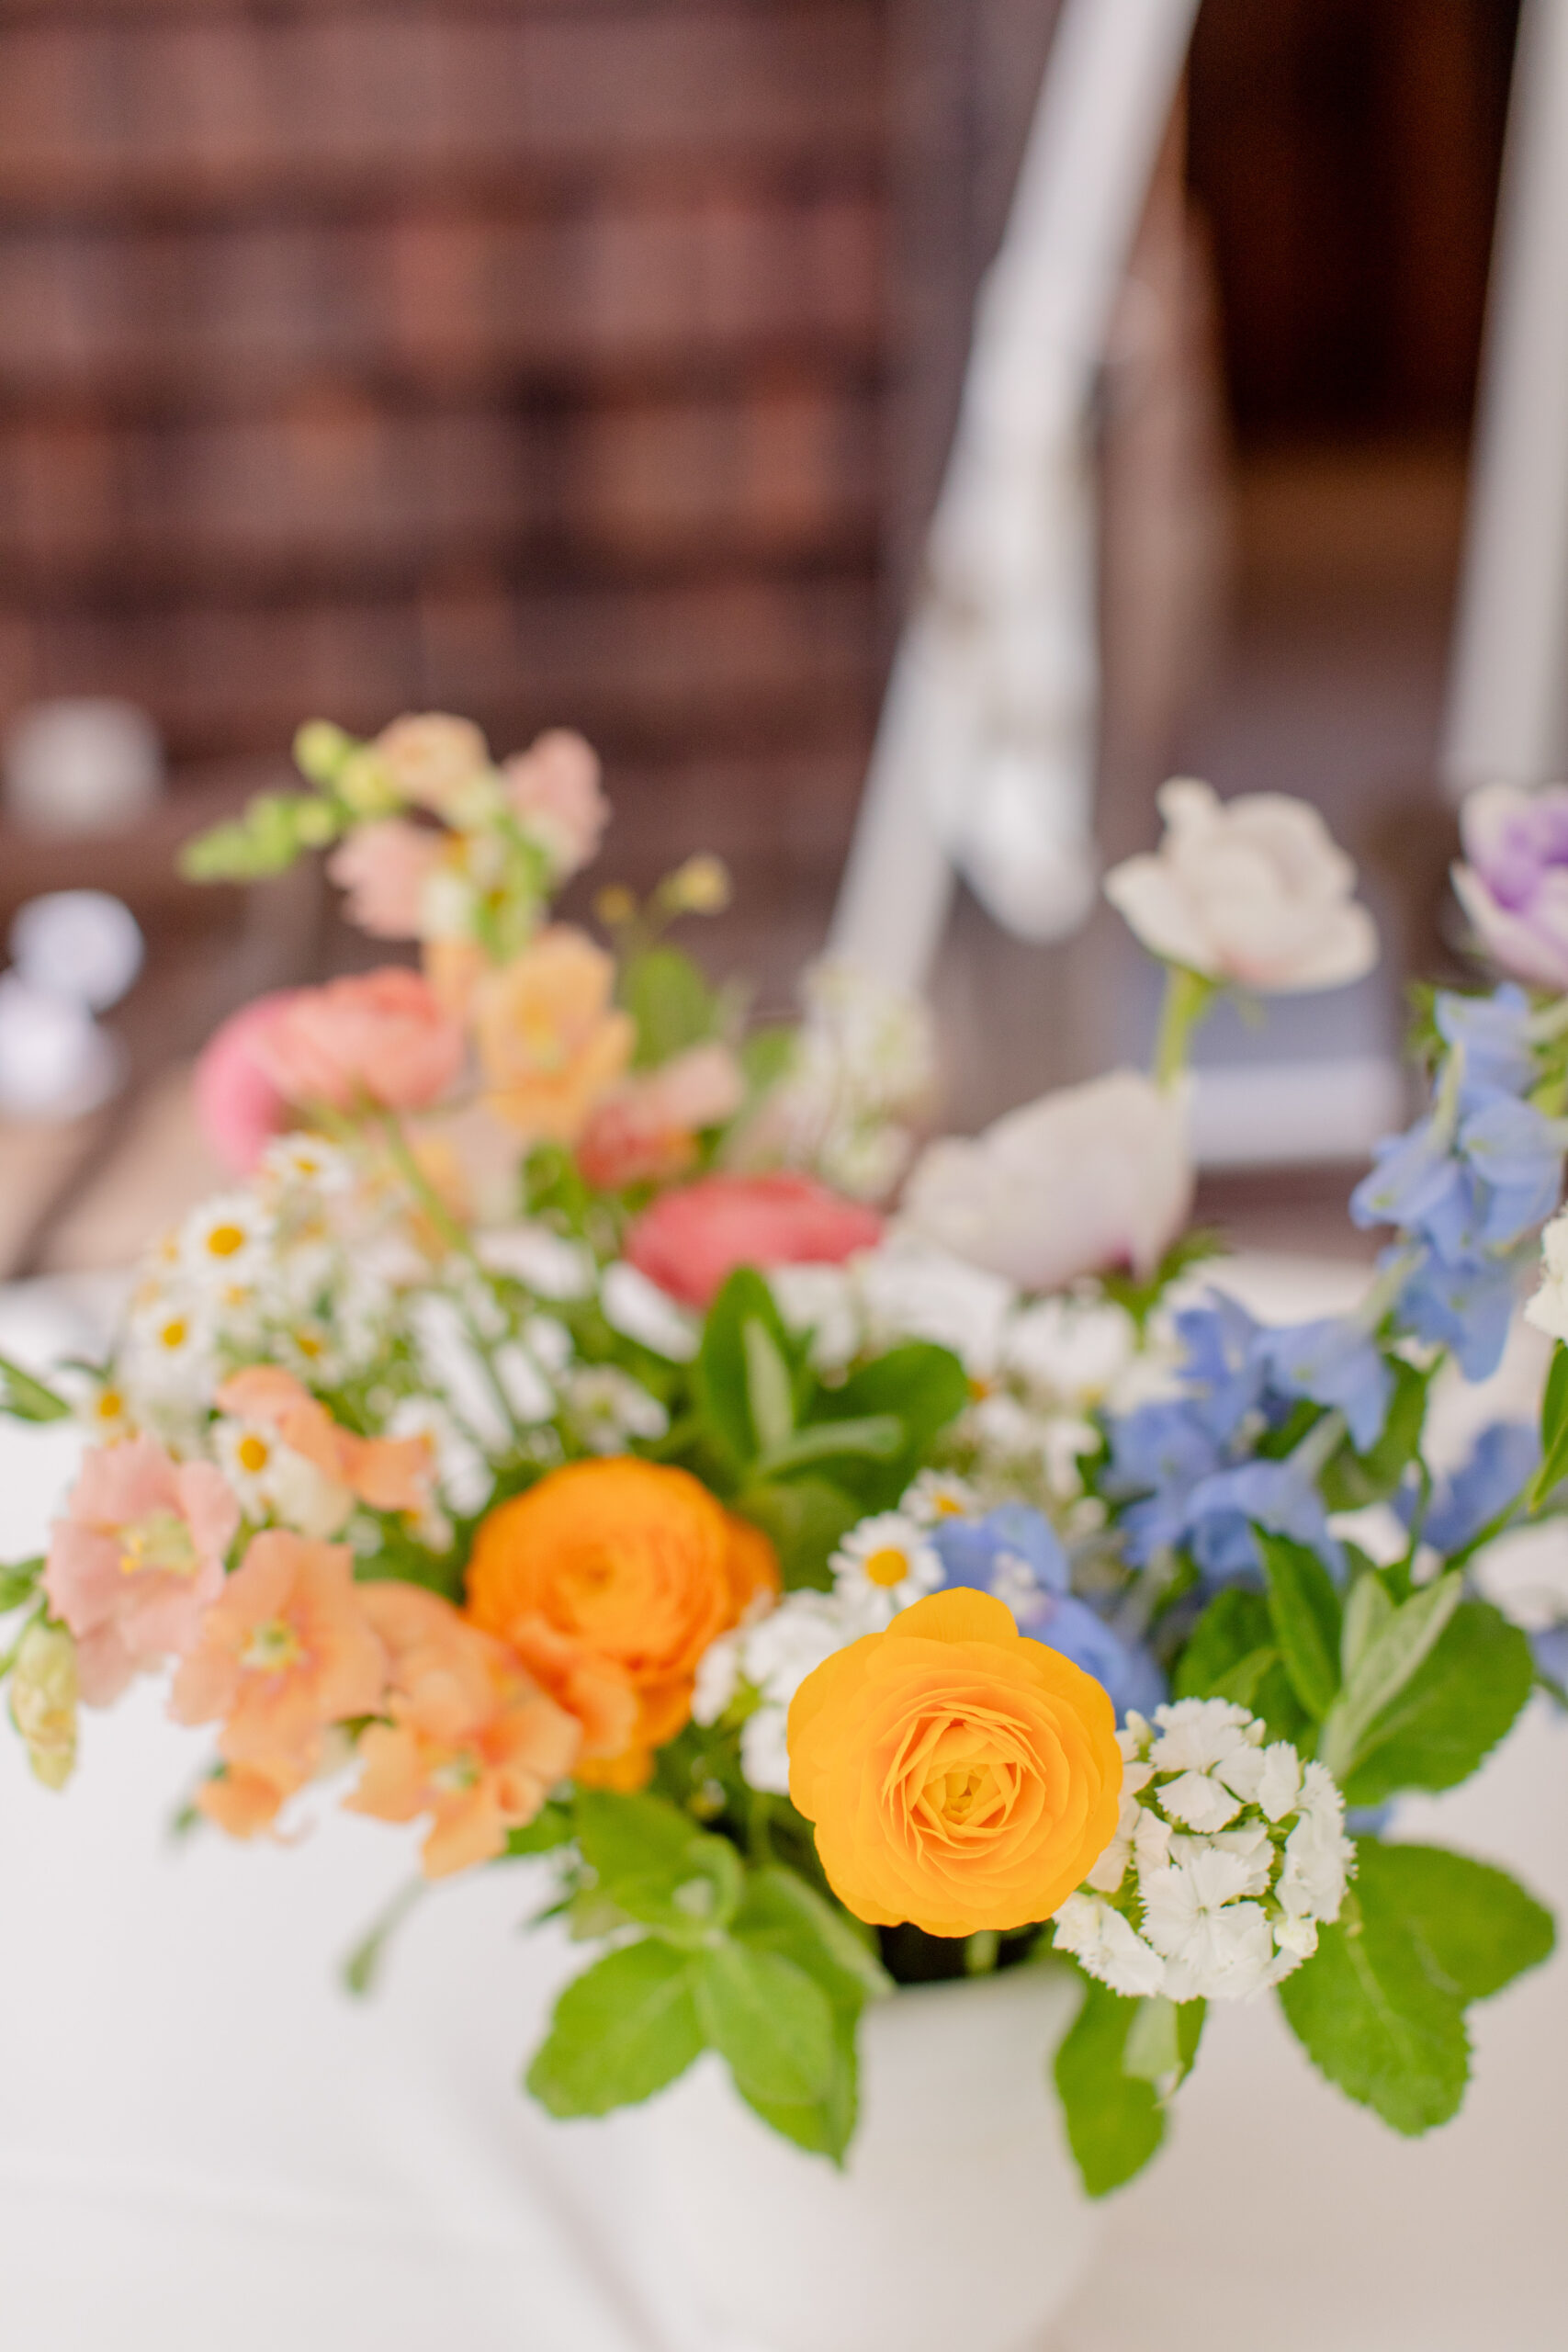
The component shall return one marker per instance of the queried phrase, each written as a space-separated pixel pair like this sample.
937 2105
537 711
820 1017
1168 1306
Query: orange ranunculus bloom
550 1042
959 1776
473 1742
636 1562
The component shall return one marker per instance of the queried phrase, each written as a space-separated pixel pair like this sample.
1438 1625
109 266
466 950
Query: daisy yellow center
225 1239
888 1566
253 1453
160 1544
949 1507
111 1404
309 1345
272 1648
174 1332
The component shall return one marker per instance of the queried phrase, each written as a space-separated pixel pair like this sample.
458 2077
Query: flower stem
1188 996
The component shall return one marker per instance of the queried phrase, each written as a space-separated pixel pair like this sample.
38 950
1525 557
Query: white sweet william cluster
1229 1855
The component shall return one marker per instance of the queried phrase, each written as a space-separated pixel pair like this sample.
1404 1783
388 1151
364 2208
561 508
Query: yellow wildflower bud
615 905
701 886
321 750
43 1701
363 783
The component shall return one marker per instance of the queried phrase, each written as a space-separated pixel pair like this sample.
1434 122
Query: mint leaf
1475 1926
769 2019
780 1913
806 1519
722 1373
621 2030
1452 1712
1374 2017
687 1901
1387 1663
1114 2121
1304 1609
1350 1480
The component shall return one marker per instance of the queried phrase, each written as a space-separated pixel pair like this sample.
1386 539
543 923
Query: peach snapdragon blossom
385 1473
431 758
381 1037
554 787
137 1560
383 867
551 1043
472 1741
284 1651
647 1129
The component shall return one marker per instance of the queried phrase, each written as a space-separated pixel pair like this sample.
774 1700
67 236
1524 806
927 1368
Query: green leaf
780 1913
1162 2041
806 1519
620 2031
1114 2121
877 1437
769 2019
1476 1927
769 1389
1305 1609
924 1388
689 1904
1369 1606
626 1836
1387 1665
721 1374
552 1825
27 1399
670 1002
1371 2016
1553 1430
1350 1480
1451 1712
362 1965
1231 1653
18 1583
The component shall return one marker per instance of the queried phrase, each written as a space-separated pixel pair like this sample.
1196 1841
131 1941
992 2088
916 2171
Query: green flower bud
322 750
43 1701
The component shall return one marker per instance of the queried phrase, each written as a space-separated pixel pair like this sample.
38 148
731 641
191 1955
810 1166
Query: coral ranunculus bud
959 1776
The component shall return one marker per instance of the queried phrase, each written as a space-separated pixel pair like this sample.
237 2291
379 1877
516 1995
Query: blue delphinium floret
973 1550
1502 1463
1334 1362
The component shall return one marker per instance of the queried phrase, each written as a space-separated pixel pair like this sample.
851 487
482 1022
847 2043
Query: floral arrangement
553 1439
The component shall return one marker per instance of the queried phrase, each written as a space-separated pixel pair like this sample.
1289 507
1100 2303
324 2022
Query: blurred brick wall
521 359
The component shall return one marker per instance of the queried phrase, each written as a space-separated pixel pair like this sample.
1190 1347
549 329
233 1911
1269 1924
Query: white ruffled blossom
1228 1856
1253 890
1548 1306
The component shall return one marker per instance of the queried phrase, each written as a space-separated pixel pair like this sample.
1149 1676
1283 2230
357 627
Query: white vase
958 2221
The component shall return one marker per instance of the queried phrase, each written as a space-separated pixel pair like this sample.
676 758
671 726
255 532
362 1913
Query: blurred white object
1508 718
92 766
80 945
55 1062
985 757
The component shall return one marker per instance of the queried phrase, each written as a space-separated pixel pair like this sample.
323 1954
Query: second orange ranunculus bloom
959 1776
634 1565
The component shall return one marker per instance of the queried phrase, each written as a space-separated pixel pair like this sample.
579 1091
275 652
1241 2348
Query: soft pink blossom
138 1561
382 1036
432 758
1515 887
238 1105
689 1240
554 787
647 1129
384 868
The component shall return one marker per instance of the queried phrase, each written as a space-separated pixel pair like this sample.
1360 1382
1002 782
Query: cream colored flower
1251 890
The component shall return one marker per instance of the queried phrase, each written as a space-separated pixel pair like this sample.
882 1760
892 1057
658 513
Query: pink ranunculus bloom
384 868
380 1037
689 1241
138 1561
647 1130
554 787
1514 885
238 1105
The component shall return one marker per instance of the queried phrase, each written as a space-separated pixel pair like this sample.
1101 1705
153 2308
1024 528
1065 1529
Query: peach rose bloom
554 787
137 1560
635 1561
380 1037
473 1742
286 1650
383 867
690 1241
959 1776
238 1107
386 1474
646 1131
431 758
550 1042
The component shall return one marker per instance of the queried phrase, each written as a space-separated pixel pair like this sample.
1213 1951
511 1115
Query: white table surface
203 2142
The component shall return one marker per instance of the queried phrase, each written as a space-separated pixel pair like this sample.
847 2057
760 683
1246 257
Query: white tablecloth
204 2142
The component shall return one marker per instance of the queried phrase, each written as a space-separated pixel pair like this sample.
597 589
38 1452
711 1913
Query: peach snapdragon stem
1188 996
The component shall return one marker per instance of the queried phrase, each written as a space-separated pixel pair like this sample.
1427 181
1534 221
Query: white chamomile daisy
223 1245
172 1334
104 1410
304 1162
274 1482
937 1495
885 1561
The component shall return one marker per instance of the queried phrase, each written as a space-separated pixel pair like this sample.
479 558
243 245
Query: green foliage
264 839
744 1331
1448 1700
1553 1430
1162 2041
1233 1654
551 1826
920 1386
769 2021
18 1583
1114 2119
806 1519
1140 1296
1351 1480
1380 2007
670 1002
1303 1609
27 1399
620 2031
